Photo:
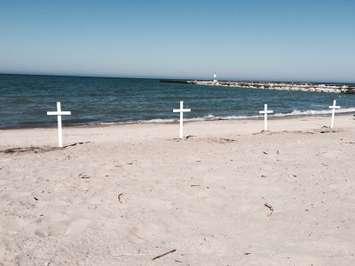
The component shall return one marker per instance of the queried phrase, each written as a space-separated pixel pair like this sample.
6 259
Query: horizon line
118 76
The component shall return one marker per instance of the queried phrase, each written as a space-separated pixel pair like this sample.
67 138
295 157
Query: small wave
157 121
316 112
212 117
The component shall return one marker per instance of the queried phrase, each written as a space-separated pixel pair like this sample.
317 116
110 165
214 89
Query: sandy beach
227 195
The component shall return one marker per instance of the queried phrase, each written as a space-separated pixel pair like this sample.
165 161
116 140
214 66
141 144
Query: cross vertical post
59 114
181 111
181 129
60 130
333 107
266 112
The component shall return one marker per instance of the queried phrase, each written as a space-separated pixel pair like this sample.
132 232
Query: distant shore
286 86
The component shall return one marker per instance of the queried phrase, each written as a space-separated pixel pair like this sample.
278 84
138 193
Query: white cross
59 114
333 107
265 112
181 111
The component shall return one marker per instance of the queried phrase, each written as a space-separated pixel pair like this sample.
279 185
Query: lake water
25 99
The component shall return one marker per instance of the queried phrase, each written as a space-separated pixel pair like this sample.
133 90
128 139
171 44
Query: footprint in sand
76 227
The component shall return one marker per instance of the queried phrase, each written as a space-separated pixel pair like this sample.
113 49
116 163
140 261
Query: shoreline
145 132
277 116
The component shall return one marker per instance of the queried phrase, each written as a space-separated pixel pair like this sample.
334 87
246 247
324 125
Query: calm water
25 99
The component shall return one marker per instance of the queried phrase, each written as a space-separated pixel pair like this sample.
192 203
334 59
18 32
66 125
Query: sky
254 39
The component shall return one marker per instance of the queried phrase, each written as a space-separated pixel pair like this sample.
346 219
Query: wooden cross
333 107
265 112
181 111
59 114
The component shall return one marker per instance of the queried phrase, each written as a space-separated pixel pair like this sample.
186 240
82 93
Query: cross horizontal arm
334 107
66 113
268 112
52 113
59 113
181 110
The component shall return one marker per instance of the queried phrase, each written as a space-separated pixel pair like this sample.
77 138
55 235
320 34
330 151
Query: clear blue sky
250 39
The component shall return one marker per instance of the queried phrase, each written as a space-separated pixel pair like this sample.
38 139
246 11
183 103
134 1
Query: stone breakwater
307 87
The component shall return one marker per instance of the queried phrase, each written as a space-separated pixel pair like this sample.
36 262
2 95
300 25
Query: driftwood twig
119 197
164 254
269 206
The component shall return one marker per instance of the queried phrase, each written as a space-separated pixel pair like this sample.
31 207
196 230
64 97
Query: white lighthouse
215 81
